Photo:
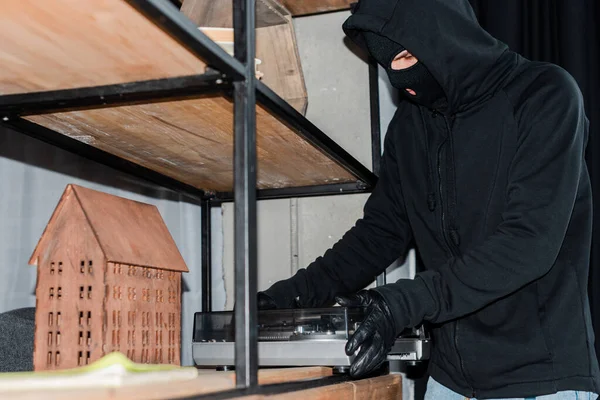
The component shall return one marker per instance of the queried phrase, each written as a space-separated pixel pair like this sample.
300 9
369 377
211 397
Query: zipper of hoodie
453 249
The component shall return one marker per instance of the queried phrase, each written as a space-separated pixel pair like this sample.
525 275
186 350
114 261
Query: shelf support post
246 345
375 129
206 256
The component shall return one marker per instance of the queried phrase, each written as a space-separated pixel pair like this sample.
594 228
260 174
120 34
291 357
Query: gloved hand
376 334
279 296
265 302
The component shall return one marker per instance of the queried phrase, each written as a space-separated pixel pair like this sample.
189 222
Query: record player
296 337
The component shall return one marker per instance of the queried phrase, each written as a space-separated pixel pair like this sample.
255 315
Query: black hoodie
495 194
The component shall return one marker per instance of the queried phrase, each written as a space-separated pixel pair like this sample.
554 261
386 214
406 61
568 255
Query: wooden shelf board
66 44
208 381
192 141
305 7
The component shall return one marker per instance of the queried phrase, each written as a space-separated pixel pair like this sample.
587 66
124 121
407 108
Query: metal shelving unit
235 79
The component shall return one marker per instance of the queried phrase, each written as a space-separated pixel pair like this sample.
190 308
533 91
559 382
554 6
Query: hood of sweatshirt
445 36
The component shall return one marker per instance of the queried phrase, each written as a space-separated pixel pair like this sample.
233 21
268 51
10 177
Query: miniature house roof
128 232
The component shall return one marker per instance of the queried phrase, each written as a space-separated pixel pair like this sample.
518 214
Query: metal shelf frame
233 77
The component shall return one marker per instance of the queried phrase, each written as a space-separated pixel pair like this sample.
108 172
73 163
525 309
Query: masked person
483 170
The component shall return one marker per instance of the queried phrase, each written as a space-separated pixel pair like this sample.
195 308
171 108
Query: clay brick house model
108 279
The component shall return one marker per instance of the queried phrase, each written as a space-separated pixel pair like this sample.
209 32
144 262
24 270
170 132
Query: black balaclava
428 91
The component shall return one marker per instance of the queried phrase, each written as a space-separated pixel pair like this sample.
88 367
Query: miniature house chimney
108 279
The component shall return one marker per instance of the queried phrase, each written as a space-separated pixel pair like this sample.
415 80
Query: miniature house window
90 266
51 293
131 318
81 318
58 338
89 293
58 318
51 268
82 360
132 270
57 358
59 293
60 265
50 318
82 267
81 292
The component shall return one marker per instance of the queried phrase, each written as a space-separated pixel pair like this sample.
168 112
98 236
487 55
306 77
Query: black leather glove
279 296
265 302
376 334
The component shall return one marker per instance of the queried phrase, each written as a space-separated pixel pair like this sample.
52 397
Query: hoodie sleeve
366 250
544 178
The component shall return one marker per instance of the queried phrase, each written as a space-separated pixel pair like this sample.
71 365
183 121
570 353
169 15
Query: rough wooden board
62 44
276 47
388 387
272 376
334 392
275 43
220 13
207 382
304 7
191 141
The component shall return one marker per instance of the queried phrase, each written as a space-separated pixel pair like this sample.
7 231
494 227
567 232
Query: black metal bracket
143 92
303 191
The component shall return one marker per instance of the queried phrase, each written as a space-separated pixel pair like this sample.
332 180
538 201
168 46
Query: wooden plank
63 44
273 376
207 382
305 7
192 141
388 387
72 43
276 48
275 43
220 13
334 392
